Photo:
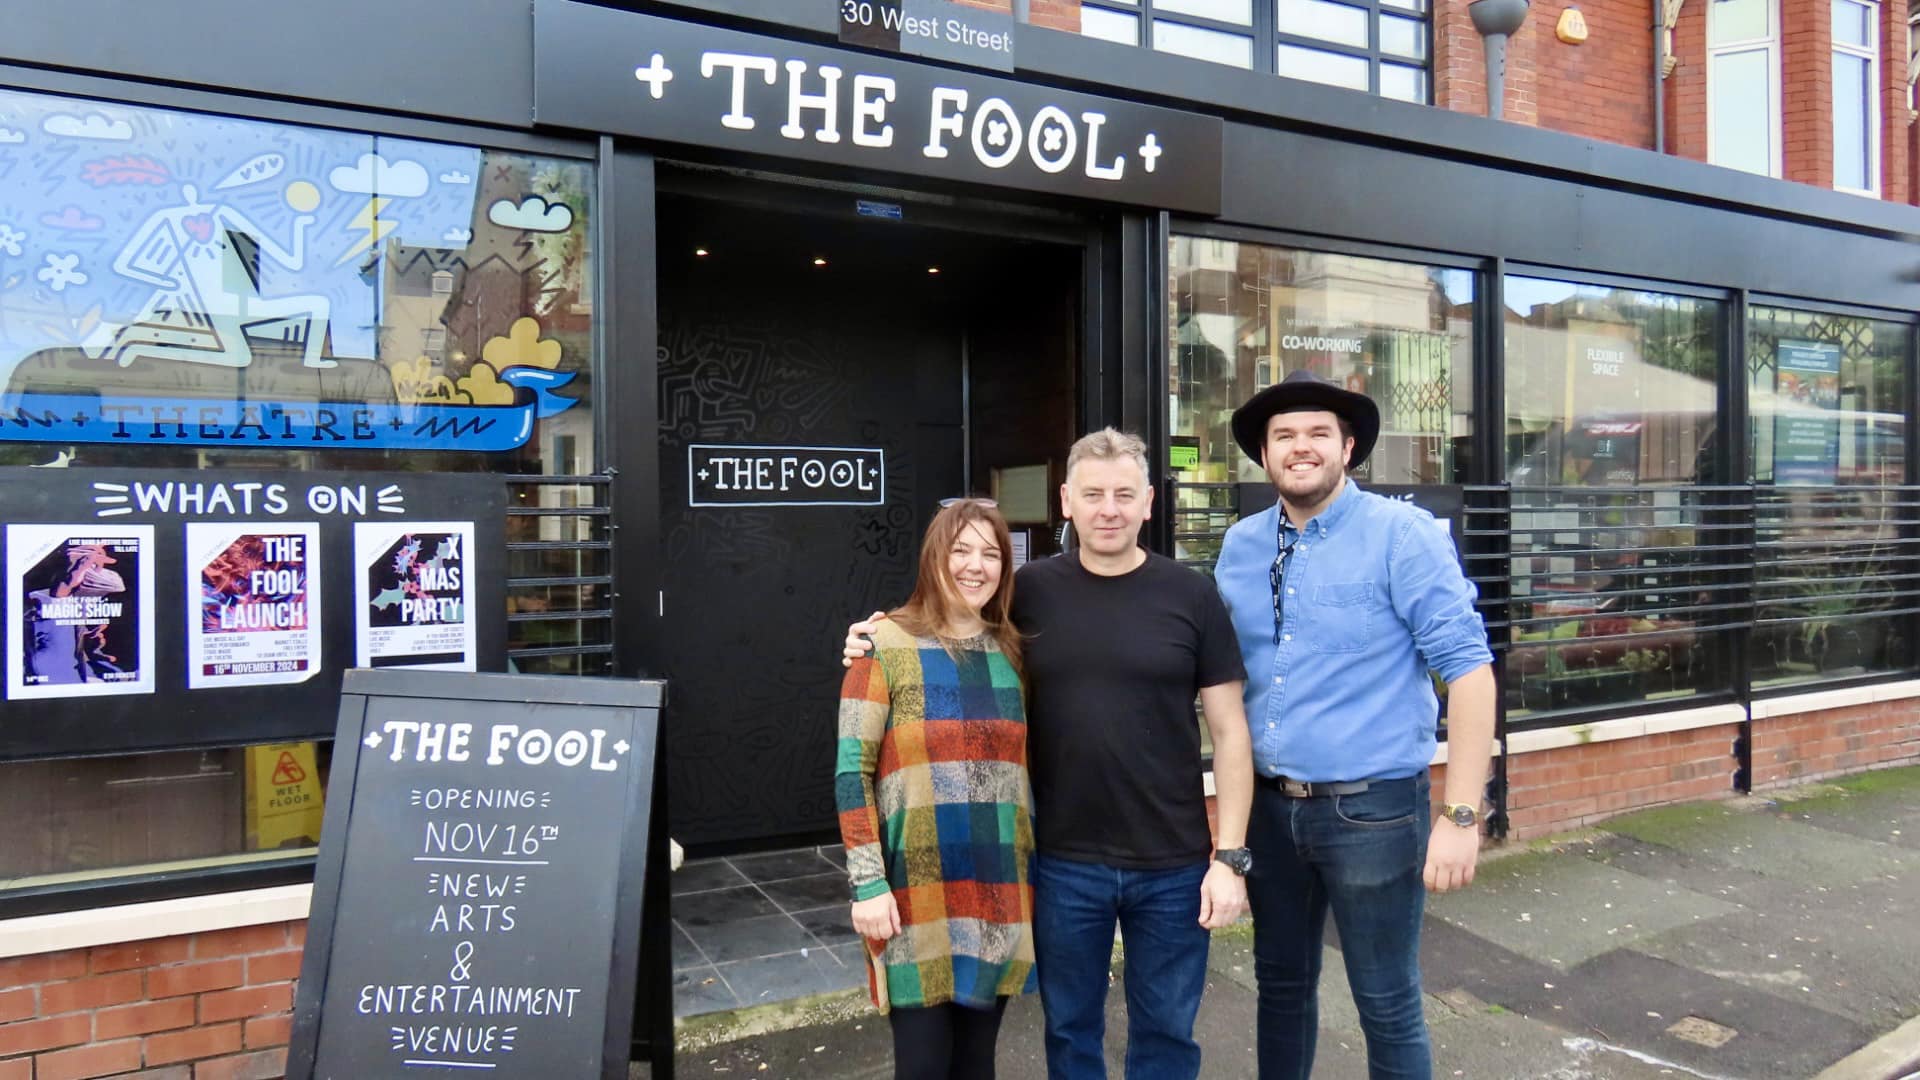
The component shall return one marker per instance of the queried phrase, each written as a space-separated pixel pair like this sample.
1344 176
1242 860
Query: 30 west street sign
599 69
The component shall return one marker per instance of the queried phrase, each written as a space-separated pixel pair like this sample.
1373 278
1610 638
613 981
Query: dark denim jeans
1362 856
1075 905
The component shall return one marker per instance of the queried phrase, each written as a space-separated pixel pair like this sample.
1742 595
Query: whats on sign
720 475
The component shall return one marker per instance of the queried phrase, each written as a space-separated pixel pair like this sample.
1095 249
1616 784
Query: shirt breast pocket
1342 616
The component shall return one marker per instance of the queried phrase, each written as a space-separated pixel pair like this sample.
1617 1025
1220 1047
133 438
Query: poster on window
1806 419
80 611
1603 407
413 596
256 621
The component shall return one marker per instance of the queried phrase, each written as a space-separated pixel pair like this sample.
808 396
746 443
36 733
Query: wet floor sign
284 799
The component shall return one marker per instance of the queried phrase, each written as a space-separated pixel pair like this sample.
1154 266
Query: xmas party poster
413 595
257 617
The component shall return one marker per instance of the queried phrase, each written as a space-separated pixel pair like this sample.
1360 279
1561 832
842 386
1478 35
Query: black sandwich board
483 875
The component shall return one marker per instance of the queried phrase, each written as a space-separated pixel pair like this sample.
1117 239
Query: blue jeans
1361 856
1075 905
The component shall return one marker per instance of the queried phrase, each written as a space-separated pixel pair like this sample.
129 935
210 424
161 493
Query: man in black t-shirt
1118 643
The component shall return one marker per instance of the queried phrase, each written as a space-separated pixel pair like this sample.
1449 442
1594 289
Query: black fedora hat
1304 390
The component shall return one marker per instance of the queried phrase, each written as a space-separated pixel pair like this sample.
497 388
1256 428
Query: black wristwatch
1239 860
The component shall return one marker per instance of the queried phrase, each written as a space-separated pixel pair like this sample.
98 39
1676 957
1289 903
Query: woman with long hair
931 784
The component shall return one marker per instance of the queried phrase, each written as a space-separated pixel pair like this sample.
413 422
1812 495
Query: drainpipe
1496 20
1022 10
1659 78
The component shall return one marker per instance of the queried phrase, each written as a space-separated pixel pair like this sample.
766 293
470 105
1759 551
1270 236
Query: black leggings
945 1042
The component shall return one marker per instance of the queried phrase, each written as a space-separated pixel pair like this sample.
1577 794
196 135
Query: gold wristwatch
1461 814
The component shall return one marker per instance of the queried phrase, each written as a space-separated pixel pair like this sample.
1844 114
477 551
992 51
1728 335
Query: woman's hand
877 919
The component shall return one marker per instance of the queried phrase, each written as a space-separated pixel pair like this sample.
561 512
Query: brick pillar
1895 168
1058 14
1460 65
1806 110
1687 86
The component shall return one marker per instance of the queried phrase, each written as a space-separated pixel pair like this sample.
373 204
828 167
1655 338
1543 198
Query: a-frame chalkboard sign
478 902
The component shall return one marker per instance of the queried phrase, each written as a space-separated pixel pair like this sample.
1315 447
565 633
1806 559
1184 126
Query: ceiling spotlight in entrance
818 261
933 269
700 252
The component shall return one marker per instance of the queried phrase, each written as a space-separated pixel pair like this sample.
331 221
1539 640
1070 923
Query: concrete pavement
1751 939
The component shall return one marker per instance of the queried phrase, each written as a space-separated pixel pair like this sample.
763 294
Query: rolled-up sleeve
1434 599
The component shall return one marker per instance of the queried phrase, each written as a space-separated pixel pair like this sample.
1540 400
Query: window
1378 46
1743 85
1617 594
1828 396
251 266
440 294
1856 100
1245 315
81 820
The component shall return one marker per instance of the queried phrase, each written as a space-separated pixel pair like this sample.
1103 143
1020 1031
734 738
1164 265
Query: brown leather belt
1302 789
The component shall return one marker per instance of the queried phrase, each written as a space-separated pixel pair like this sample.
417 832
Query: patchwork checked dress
931 785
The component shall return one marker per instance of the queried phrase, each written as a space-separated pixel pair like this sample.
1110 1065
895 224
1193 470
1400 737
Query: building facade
668 324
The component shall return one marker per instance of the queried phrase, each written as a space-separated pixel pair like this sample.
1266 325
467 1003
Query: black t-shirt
1113 741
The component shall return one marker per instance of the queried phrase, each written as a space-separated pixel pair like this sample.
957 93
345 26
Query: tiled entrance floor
753 929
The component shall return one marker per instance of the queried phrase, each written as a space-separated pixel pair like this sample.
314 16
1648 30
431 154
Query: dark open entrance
828 373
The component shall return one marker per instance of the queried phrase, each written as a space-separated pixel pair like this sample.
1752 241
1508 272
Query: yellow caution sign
284 799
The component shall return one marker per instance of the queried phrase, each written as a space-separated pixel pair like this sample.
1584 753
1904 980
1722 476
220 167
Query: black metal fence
560 575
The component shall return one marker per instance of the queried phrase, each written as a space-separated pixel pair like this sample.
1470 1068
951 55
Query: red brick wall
1602 89
212 1006
1553 790
1895 182
1806 106
1058 14
1687 87
1460 63
1813 746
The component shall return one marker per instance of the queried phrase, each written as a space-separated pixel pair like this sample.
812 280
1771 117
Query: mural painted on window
172 280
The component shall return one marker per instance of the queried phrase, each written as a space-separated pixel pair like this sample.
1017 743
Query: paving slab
1563 911
1845 948
1749 841
1882 806
1628 998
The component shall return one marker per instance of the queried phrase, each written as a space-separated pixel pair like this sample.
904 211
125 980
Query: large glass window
1856 102
70 822
1828 399
1245 315
1379 46
1617 587
189 290
310 297
1743 85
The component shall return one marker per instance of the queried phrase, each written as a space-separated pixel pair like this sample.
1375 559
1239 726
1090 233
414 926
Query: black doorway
948 357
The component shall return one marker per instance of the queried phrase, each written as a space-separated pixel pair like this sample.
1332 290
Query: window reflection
1247 314
1617 585
1828 396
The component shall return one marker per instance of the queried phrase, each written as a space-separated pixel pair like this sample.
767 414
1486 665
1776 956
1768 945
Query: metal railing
1601 600
560 575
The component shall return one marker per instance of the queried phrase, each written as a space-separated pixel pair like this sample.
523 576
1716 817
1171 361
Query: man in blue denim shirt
1343 601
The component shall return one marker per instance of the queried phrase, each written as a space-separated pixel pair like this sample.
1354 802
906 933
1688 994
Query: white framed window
1743 85
1383 47
1856 97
